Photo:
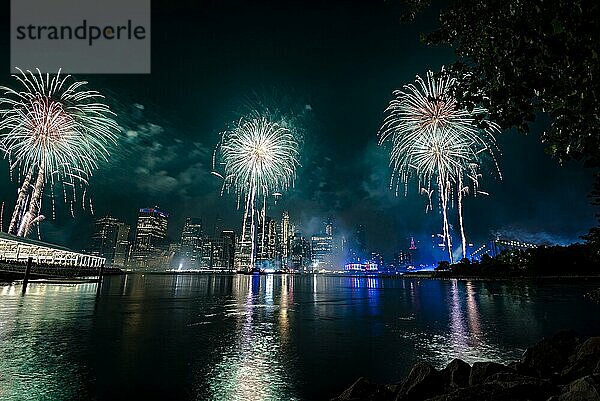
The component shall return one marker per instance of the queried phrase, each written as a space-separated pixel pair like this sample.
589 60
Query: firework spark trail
259 157
438 143
51 127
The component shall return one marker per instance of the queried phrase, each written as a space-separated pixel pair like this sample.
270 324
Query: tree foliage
572 260
524 58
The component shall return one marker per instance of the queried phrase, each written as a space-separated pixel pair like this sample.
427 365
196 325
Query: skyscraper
191 243
285 239
266 241
149 248
217 251
322 251
300 252
122 246
243 247
104 238
357 249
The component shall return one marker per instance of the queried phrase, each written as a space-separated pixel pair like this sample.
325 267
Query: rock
550 355
422 382
589 348
586 360
585 389
482 370
456 374
364 390
480 392
521 387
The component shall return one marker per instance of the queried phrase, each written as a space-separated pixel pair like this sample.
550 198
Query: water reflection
41 345
237 337
252 366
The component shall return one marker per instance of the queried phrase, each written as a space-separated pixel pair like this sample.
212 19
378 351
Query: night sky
337 63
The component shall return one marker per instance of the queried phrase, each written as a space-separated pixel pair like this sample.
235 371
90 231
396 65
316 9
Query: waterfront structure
357 267
191 243
149 248
18 250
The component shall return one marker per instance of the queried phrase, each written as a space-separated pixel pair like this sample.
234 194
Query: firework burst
440 144
56 131
258 157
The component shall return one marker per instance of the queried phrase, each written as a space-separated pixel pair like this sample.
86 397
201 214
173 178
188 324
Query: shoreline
563 367
8 277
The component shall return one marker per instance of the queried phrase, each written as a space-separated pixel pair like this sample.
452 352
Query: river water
274 337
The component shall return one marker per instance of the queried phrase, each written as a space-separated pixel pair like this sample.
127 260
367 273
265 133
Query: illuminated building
266 241
377 259
149 248
322 251
243 247
285 238
228 248
438 248
412 251
217 251
361 267
300 252
122 246
357 248
111 240
191 243
402 260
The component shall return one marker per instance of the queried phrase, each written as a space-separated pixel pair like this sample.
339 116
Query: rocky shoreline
561 368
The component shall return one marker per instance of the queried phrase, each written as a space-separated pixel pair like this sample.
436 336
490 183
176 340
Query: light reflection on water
274 337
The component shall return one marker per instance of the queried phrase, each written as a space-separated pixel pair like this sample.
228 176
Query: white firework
439 143
259 157
55 130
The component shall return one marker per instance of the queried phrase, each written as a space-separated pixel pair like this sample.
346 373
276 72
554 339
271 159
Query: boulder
364 390
482 370
585 361
517 386
585 389
456 374
550 355
480 392
423 381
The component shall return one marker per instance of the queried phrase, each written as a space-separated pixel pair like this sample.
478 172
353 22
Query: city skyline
284 245
165 151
